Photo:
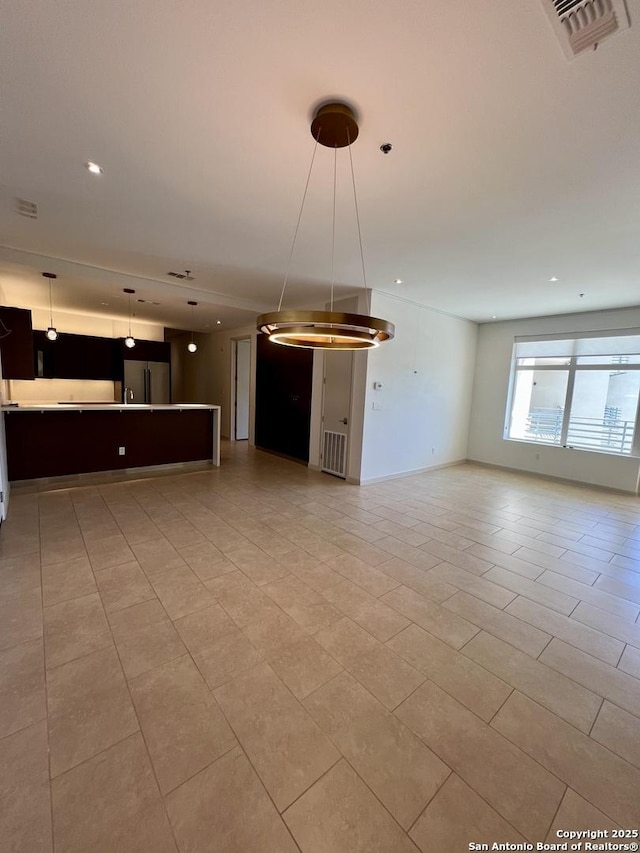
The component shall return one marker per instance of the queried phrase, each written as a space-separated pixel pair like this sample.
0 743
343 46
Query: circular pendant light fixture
192 346
129 341
334 126
52 332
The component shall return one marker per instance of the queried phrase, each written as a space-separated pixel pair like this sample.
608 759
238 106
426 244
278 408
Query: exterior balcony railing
606 434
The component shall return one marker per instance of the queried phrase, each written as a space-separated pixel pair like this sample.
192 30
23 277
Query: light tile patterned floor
263 659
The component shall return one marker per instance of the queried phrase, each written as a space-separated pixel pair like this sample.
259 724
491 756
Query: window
577 392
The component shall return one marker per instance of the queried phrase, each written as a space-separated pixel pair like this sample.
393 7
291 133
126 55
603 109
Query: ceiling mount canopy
334 126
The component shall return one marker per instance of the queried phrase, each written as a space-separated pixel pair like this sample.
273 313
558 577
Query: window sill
572 448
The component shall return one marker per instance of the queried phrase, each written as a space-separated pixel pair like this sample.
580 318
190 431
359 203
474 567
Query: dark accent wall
52 444
283 399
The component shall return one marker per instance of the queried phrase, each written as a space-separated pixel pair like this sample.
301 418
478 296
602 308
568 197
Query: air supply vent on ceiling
181 275
582 24
27 208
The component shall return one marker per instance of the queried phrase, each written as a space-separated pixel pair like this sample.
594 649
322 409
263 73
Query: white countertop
107 407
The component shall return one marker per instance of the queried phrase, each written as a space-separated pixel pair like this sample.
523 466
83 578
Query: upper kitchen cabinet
144 351
75 357
88 357
16 343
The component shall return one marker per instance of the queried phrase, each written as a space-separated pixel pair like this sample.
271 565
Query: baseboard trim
401 474
105 478
538 476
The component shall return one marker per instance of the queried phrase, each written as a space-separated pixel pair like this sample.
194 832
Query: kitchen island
53 440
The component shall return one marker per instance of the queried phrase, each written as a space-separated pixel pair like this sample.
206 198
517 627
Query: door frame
349 424
251 390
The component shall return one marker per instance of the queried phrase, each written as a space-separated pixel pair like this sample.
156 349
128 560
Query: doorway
241 380
283 399
336 408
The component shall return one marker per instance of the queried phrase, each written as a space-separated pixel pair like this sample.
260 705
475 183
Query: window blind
565 347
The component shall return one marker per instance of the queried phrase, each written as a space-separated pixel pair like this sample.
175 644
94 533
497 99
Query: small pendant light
192 345
129 341
52 332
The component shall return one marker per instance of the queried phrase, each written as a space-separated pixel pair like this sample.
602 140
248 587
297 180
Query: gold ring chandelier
334 126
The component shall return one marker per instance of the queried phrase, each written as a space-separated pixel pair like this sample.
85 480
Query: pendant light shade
325 329
334 126
52 332
192 345
129 341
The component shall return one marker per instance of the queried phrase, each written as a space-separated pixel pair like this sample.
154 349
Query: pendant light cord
50 304
355 199
333 230
295 236
129 314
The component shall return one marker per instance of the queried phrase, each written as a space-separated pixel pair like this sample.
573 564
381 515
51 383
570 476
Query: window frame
573 369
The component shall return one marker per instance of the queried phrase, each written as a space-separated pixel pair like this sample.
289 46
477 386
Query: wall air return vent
334 453
27 208
582 24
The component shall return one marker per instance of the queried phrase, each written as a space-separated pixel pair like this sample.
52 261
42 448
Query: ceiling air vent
582 24
181 275
27 208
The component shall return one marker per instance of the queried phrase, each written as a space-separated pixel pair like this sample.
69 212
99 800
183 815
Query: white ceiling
510 165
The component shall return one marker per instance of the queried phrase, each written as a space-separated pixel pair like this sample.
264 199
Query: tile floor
263 659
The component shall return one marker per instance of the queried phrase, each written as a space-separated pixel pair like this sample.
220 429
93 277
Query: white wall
190 371
206 376
493 365
104 327
421 415
62 390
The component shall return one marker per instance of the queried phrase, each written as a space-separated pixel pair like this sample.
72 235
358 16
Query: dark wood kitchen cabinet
144 351
75 357
90 357
16 343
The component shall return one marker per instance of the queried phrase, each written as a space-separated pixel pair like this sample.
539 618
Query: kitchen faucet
130 391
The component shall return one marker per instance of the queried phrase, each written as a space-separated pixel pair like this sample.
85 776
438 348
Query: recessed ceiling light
218 322
104 303
93 167
397 281
493 316
553 278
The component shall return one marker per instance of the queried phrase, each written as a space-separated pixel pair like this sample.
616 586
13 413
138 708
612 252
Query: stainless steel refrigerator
147 381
